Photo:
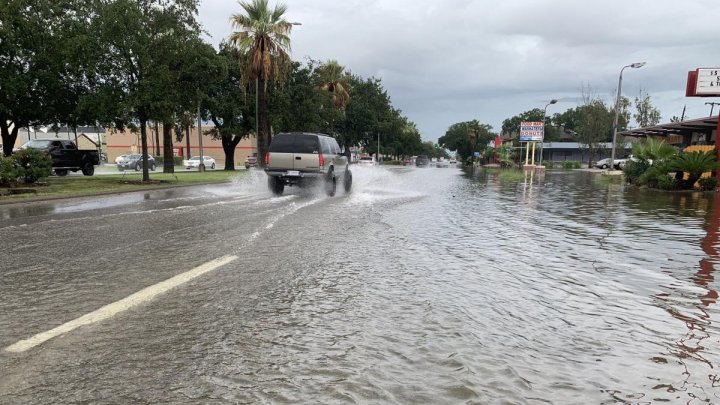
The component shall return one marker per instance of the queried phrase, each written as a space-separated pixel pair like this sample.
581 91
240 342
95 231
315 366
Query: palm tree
652 150
694 164
263 37
335 81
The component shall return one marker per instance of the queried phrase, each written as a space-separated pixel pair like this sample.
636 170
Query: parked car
66 156
120 158
422 161
442 163
303 159
366 161
251 161
135 162
194 162
602 163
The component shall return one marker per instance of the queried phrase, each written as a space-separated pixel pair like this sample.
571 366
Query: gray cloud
451 61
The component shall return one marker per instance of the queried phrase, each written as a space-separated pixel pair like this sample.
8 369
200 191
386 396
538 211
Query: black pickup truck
66 156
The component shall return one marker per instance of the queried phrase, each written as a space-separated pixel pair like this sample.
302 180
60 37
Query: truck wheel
138 167
276 185
347 181
88 169
152 167
330 185
61 172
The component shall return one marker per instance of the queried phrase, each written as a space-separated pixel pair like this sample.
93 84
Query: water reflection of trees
694 345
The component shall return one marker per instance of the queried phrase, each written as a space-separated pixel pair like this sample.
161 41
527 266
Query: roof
706 125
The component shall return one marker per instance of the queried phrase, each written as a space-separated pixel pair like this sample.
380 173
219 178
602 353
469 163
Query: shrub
708 183
694 164
634 169
159 160
571 164
8 171
32 165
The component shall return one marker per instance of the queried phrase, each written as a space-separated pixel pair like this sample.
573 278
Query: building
127 142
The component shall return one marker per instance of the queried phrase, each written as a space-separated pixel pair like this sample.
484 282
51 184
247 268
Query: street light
542 142
616 123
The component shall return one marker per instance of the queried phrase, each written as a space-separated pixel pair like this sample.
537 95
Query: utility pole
712 106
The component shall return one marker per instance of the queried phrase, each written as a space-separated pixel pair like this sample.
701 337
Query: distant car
251 161
602 163
366 161
422 161
134 162
194 162
453 161
407 162
442 163
120 158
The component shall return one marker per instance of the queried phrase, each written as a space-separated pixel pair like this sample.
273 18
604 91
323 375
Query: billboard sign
708 82
532 131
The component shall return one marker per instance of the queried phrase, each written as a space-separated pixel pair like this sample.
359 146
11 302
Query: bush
8 171
708 183
32 165
634 169
160 161
571 164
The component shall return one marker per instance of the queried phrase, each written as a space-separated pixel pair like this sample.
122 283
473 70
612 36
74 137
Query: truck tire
276 185
330 185
61 172
347 181
88 169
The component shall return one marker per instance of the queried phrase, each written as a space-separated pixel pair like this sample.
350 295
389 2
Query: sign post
705 82
531 132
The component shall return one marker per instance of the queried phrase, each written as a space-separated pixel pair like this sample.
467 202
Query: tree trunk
144 148
8 137
263 124
168 157
229 145
187 142
156 147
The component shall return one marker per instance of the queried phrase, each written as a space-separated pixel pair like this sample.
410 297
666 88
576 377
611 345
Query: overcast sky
449 61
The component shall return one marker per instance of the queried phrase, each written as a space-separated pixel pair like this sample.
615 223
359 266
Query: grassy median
75 186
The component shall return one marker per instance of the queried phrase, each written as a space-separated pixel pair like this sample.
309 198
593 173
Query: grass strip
76 186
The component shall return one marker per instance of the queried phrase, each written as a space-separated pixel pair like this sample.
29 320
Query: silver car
301 159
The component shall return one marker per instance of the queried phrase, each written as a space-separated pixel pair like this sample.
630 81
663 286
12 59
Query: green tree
263 36
646 115
335 82
228 106
467 137
42 77
296 105
595 123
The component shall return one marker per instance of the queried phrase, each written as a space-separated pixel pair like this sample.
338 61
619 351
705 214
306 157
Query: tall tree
335 82
595 124
263 36
41 76
646 115
228 105
141 41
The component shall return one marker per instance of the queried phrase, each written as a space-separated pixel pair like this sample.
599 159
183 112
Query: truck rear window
291 143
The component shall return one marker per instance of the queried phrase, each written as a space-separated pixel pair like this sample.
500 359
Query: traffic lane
61 268
184 346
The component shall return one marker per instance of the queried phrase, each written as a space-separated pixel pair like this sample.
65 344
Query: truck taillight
267 158
321 160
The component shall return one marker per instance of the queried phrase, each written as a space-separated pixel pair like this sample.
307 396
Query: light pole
635 65
542 143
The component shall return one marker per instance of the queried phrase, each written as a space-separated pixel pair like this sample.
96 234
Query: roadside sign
708 82
532 131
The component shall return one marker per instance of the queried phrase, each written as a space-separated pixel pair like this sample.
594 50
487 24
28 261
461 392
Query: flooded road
421 286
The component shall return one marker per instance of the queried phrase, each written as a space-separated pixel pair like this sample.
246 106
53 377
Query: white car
366 161
121 158
194 162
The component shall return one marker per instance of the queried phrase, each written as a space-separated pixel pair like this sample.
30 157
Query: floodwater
421 286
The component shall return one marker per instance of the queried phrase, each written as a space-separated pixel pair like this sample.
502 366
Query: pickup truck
66 156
